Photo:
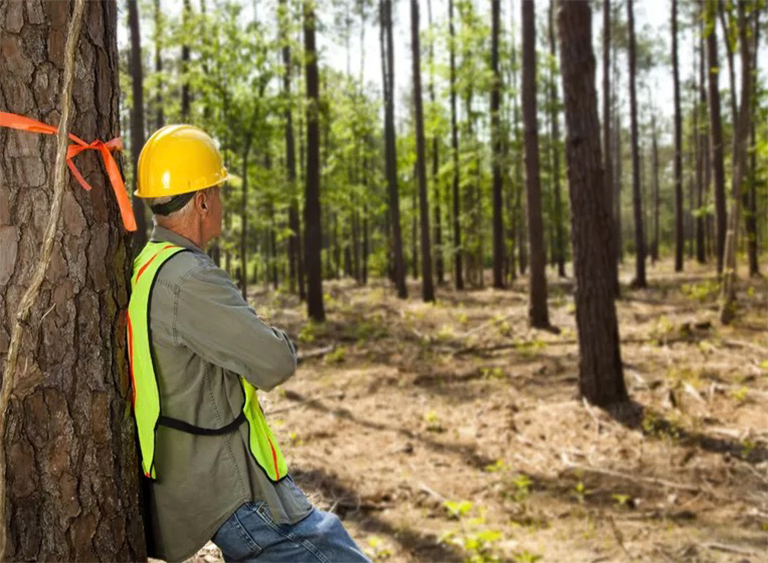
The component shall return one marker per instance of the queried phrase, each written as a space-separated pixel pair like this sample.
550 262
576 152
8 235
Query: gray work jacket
204 335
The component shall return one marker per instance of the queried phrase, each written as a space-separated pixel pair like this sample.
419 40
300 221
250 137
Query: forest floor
453 432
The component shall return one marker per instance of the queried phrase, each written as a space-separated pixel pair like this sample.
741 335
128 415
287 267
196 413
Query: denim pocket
234 540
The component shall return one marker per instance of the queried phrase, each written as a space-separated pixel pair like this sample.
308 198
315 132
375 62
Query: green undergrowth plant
473 537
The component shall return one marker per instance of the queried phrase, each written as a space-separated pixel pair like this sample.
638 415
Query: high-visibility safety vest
146 395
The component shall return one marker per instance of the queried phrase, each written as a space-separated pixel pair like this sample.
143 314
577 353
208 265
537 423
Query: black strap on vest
177 424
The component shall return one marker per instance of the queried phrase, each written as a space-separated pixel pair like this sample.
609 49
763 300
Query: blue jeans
250 534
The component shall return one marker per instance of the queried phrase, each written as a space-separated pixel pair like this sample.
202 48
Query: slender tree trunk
601 378
655 156
244 225
71 465
427 286
728 292
312 229
437 209
751 205
185 54
619 173
158 34
716 136
555 112
607 148
388 72
137 121
415 226
679 234
518 169
538 313
731 74
637 205
498 220
702 152
457 250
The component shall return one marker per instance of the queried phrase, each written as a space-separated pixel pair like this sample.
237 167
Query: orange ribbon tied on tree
15 121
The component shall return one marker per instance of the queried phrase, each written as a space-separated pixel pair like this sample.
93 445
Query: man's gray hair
182 213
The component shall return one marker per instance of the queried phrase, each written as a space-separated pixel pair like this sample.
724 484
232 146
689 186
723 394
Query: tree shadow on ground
468 454
635 416
347 505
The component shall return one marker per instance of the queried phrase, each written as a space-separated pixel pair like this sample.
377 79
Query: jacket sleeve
214 321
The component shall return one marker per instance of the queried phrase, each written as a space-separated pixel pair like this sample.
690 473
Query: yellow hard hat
179 159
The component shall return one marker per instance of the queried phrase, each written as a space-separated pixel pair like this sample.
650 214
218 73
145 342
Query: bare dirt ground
453 432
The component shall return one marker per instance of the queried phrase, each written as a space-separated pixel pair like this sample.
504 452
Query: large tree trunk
498 221
637 205
601 379
312 230
655 192
728 293
458 277
244 226
716 136
679 234
427 285
538 313
72 488
137 121
388 80
702 169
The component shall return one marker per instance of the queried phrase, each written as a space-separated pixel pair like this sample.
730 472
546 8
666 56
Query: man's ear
202 202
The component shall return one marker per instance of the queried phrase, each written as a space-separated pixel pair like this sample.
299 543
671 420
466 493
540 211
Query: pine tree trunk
601 379
679 234
388 80
656 202
427 284
458 277
637 205
137 122
538 313
728 292
702 152
716 136
244 225
498 220
158 34
185 55
608 149
751 204
72 472
559 246
437 209
312 229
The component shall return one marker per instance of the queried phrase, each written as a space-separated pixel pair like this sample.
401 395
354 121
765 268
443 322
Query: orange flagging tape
15 121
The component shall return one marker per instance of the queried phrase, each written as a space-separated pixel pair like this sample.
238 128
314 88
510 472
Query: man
198 353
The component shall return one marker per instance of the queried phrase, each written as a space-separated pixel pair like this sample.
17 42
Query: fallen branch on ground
301 356
303 402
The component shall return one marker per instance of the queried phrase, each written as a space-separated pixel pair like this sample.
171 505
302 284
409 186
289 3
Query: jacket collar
161 234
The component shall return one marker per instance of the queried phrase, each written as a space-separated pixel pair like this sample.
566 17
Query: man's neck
192 234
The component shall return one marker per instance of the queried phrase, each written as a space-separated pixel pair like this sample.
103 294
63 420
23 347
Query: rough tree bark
601 379
312 230
185 55
72 468
751 195
637 205
538 313
716 135
158 34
